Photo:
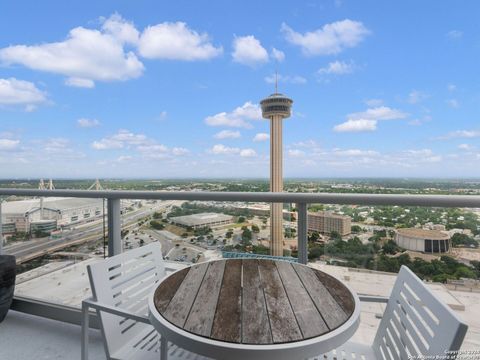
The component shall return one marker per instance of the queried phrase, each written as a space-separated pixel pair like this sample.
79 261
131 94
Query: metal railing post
302 233
1 229
115 245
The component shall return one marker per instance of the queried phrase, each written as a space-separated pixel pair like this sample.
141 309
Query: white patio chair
120 287
415 322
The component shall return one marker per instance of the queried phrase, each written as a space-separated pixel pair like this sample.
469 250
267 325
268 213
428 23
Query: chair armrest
115 310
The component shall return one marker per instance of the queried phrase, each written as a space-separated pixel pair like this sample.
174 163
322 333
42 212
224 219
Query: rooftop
199 219
423 234
24 206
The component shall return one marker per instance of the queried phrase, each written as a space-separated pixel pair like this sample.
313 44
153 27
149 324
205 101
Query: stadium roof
54 203
423 234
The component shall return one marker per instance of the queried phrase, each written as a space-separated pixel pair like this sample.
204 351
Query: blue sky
171 89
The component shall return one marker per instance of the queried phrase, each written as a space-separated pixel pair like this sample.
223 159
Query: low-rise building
202 220
325 222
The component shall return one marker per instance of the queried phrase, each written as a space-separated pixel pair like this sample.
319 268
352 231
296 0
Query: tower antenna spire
276 81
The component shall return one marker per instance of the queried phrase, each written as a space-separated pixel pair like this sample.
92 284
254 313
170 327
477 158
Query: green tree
356 229
246 236
390 247
255 229
157 225
335 235
241 219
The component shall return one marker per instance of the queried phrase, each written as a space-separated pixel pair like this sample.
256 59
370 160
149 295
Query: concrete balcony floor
28 337
25 336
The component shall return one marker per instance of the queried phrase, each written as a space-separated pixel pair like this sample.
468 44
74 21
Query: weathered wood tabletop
250 301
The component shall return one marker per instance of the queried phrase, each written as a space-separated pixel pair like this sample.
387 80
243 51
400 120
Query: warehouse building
426 241
325 222
48 213
202 220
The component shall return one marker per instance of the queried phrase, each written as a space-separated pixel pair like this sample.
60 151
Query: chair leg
163 348
85 325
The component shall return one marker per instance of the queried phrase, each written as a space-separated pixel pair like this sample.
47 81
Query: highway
30 249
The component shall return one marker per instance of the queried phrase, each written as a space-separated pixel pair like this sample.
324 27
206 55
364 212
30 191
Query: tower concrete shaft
276 184
276 107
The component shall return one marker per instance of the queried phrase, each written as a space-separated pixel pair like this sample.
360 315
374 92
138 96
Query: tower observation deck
276 107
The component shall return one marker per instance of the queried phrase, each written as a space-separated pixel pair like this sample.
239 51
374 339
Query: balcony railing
115 245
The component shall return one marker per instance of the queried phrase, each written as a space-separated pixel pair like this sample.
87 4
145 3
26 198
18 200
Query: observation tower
276 107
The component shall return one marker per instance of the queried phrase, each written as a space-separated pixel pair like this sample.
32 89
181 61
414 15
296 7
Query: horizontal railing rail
470 201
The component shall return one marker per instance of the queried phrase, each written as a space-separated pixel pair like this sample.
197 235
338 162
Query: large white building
426 241
34 214
202 220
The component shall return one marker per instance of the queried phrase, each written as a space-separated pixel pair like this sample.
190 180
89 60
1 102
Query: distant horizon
243 178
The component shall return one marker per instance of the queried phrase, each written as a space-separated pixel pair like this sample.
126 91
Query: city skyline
103 91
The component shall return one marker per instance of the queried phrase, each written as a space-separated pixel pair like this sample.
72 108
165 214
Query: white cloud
124 158
152 148
295 79
416 96
176 41
331 39
468 134
8 144
311 144
249 51
220 149
121 29
296 153
239 117
163 115
359 125
367 120
453 103
107 144
179 151
261 137
248 153
354 152
465 146
123 138
454 34
19 92
81 83
227 134
337 68
423 155
88 123
374 102
84 57
379 113
278 55
451 87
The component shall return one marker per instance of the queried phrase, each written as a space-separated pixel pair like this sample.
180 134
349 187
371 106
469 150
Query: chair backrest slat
125 281
416 322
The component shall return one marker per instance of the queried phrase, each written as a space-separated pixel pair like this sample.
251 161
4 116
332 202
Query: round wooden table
254 309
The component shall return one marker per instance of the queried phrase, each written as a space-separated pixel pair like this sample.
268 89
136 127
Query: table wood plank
338 291
282 319
228 317
328 307
309 319
168 288
180 305
201 315
255 323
